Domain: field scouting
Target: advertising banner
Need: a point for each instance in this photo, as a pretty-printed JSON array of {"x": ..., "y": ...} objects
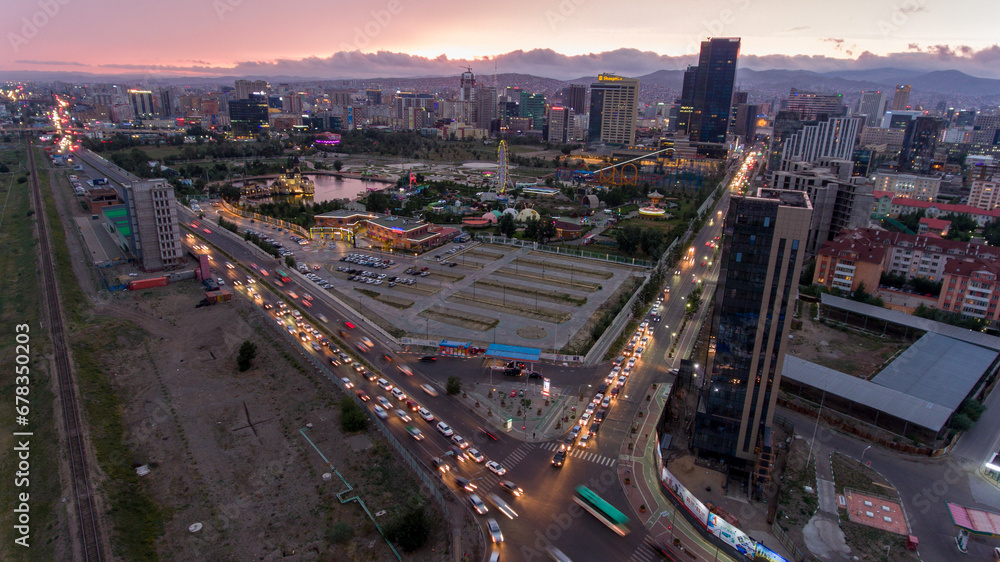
[
  {"x": 730, "y": 534},
  {"x": 764, "y": 554},
  {"x": 546, "y": 387},
  {"x": 693, "y": 504}
]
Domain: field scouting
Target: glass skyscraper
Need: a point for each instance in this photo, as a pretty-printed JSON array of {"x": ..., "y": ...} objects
[
  {"x": 711, "y": 89},
  {"x": 762, "y": 253}
]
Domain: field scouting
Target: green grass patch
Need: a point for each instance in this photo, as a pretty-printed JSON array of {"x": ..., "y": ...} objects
[
  {"x": 74, "y": 302},
  {"x": 137, "y": 519},
  {"x": 368, "y": 293},
  {"x": 849, "y": 473},
  {"x": 664, "y": 226},
  {"x": 795, "y": 505},
  {"x": 869, "y": 543},
  {"x": 22, "y": 305}
]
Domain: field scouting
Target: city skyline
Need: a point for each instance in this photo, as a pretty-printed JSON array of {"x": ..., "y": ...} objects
[{"x": 562, "y": 40}]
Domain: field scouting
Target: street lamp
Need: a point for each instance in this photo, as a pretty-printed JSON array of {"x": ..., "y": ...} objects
[{"x": 863, "y": 454}]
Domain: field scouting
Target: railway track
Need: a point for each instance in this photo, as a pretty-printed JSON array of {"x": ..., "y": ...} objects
[{"x": 90, "y": 532}]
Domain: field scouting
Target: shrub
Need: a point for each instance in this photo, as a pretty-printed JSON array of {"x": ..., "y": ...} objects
[
  {"x": 453, "y": 386},
  {"x": 352, "y": 417},
  {"x": 246, "y": 354}
]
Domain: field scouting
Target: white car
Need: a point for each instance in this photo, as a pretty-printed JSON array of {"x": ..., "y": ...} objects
[
  {"x": 384, "y": 402},
  {"x": 606, "y": 402},
  {"x": 426, "y": 414},
  {"x": 478, "y": 504},
  {"x": 230, "y": 266},
  {"x": 445, "y": 429},
  {"x": 380, "y": 412},
  {"x": 622, "y": 379},
  {"x": 591, "y": 407},
  {"x": 398, "y": 394},
  {"x": 495, "y": 534},
  {"x": 460, "y": 441},
  {"x": 582, "y": 443},
  {"x": 384, "y": 384},
  {"x": 347, "y": 382},
  {"x": 585, "y": 418},
  {"x": 403, "y": 415},
  {"x": 476, "y": 455},
  {"x": 495, "y": 468}
]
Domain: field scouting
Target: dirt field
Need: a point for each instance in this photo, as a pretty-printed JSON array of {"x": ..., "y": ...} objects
[
  {"x": 847, "y": 351},
  {"x": 224, "y": 447}
]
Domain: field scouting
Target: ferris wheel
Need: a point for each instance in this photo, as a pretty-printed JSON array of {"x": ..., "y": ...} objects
[{"x": 502, "y": 168}]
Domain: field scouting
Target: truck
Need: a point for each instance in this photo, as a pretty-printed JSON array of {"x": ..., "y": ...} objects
[{"x": 100, "y": 181}]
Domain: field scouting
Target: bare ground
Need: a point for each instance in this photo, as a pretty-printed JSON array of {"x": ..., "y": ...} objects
[{"x": 847, "y": 351}]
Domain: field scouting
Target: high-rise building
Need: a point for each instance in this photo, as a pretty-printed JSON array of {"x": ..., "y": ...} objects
[
  {"x": 467, "y": 86},
  {"x": 713, "y": 89},
  {"x": 919, "y": 144},
  {"x": 248, "y": 117},
  {"x": 901, "y": 101},
  {"x": 685, "y": 104},
  {"x": 762, "y": 254},
  {"x": 786, "y": 124},
  {"x": 373, "y": 96},
  {"x": 745, "y": 124},
  {"x": 830, "y": 138},
  {"x": 246, "y": 87},
  {"x": 872, "y": 106},
  {"x": 613, "y": 104},
  {"x": 142, "y": 104},
  {"x": 739, "y": 98},
  {"x": 166, "y": 103},
  {"x": 486, "y": 107},
  {"x": 533, "y": 107},
  {"x": 576, "y": 98},
  {"x": 812, "y": 106},
  {"x": 561, "y": 124}
]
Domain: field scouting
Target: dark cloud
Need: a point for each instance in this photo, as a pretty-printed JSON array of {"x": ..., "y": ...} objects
[{"x": 549, "y": 63}]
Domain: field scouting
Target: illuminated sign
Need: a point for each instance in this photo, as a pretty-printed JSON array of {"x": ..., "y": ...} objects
[
  {"x": 606, "y": 78},
  {"x": 546, "y": 387}
]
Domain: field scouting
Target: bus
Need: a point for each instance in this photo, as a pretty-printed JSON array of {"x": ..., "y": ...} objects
[
  {"x": 282, "y": 275},
  {"x": 602, "y": 510}
]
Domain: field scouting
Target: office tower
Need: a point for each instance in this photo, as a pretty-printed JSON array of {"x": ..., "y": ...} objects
[
  {"x": 248, "y": 117},
  {"x": 712, "y": 96},
  {"x": 486, "y": 107},
  {"x": 246, "y": 87},
  {"x": 762, "y": 254},
  {"x": 533, "y": 107},
  {"x": 613, "y": 103},
  {"x": 811, "y": 105},
  {"x": 685, "y": 104},
  {"x": 561, "y": 124},
  {"x": 166, "y": 103},
  {"x": 786, "y": 124},
  {"x": 142, "y": 104},
  {"x": 830, "y": 138},
  {"x": 965, "y": 118},
  {"x": 919, "y": 144},
  {"x": 576, "y": 98},
  {"x": 467, "y": 85},
  {"x": 739, "y": 98},
  {"x": 872, "y": 106},
  {"x": 745, "y": 123},
  {"x": 154, "y": 219},
  {"x": 373, "y": 96},
  {"x": 901, "y": 101},
  {"x": 294, "y": 103}
]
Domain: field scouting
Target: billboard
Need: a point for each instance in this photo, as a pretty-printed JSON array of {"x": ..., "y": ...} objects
[
  {"x": 731, "y": 535},
  {"x": 764, "y": 554},
  {"x": 546, "y": 387},
  {"x": 692, "y": 503}
]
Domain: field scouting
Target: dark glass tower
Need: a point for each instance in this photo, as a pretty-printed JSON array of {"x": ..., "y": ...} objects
[
  {"x": 713, "y": 89},
  {"x": 764, "y": 240}
]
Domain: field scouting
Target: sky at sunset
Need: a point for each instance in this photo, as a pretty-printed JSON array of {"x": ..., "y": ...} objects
[{"x": 555, "y": 38}]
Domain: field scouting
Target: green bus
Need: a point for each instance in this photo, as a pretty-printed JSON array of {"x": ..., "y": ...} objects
[
  {"x": 602, "y": 510},
  {"x": 282, "y": 275}
]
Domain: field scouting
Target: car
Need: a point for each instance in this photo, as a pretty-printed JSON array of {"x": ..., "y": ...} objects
[
  {"x": 590, "y": 408},
  {"x": 350, "y": 325},
  {"x": 230, "y": 266},
  {"x": 380, "y": 412},
  {"x": 362, "y": 395},
  {"x": 293, "y": 294},
  {"x": 425, "y": 414},
  {"x": 347, "y": 382},
  {"x": 496, "y": 468},
  {"x": 254, "y": 266},
  {"x": 512, "y": 488},
  {"x": 250, "y": 281},
  {"x": 585, "y": 418},
  {"x": 306, "y": 303},
  {"x": 598, "y": 397},
  {"x": 568, "y": 442},
  {"x": 384, "y": 402},
  {"x": 459, "y": 454},
  {"x": 429, "y": 389},
  {"x": 263, "y": 272},
  {"x": 412, "y": 406},
  {"x": 441, "y": 465},
  {"x": 415, "y": 433},
  {"x": 495, "y": 534},
  {"x": 460, "y": 441},
  {"x": 384, "y": 384},
  {"x": 398, "y": 394},
  {"x": 534, "y": 375},
  {"x": 582, "y": 443},
  {"x": 606, "y": 402},
  {"x": 406, "y": 370},
  {"x": 307, "y": 296},
  {"x": 403, "y": 415},
  {"x": 559, "y": 458},
  {"x": 445, "y": 429},
  {"x": 476, "y": 455},
  {"x": 478, "y": 504},
  {"x": 359, "y": 368},
  {"x": 237, "y": 283},
  {"x": 513, "y": 394},
  {"x": 489, "y": 433}
]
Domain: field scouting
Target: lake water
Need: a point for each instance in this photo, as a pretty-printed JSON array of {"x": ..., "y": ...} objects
[{"x": 332, "y": 187}]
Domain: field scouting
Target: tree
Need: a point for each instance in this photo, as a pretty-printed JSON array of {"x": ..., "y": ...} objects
[
  {"x": 546, "y": 229},
  {"x": 806, "y": 277},
  {"x": 531, "y": 229},
  {"x": 410, "y": 528},
  {"x": 377, "y": 202},
  {"x": 246, "y": 354},
  {"x": 337, "y": 165},
  {"x": 651, "y": 242},
  {"x": 290, "y": 261},
  {"x": 925, "y": 286},
  {"x": 453, "y": 386},
  {"x": 507, "y": 225},
  {"x": 352, "y": 417},
  {"x": 628, "y": 238}
]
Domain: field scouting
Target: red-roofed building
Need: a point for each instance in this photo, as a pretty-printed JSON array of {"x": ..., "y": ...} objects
[
  {"x": 971, "y": 288},
  {"x": 903, "y": 206},
  {"x": 845, "y": 264},
  {"x": 935, "y": 227}
]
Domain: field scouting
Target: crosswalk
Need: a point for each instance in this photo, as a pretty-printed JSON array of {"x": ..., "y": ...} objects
[
  {"x": 644, "y": 552},
  {"x": 583, "y": 455},
  {"x": 517, "y": 455}
]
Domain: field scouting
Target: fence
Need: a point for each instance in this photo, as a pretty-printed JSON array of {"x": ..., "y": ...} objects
[
  {"x": 787, "y": 542},
  {"x": 562, "y": 250}
]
